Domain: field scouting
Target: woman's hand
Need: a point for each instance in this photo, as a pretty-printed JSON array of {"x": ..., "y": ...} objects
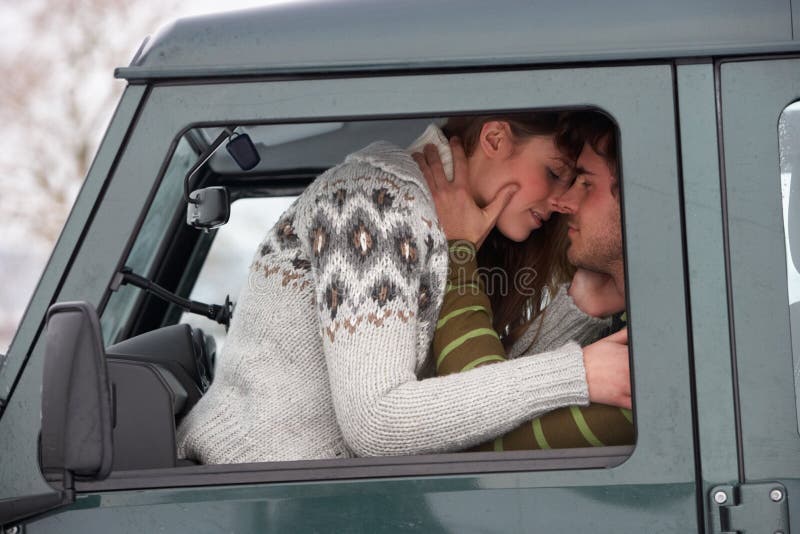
[
  {"x": 459, "y": 215},
  {"x": 596, "y": 294},
  {"x": 608, "y": 370}
]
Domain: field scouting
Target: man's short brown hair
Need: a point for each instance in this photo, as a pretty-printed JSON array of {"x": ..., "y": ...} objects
[{"x": 594, "y": 128}]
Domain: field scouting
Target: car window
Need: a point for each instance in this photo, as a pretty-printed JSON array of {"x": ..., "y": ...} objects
[
  {"x": 216, "y": 267},
  {"x": 225, "y": 267},
  {"x": 144, "y": 253},
  {"x": 789, "y": 139}
]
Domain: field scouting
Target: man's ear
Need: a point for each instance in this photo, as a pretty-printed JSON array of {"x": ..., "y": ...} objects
[{"x": 496, "y": 140}]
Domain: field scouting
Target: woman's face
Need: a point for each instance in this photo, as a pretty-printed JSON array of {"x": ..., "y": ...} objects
[{"x": 540, "y": 171}]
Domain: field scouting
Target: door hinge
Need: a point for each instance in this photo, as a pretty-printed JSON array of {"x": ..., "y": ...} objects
[{"x": 749, "y": 509}]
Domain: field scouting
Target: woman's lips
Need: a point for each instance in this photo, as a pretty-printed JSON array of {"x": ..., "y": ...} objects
[{"x": 537, "y": 218}]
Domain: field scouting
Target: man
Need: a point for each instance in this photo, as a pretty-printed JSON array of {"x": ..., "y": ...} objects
[
  {"x": 593, "y": 215},
  {"x": 592, "y": 210},
  {"x": 592, "y": 207}
]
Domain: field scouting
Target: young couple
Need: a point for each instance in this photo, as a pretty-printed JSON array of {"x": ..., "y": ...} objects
[{"x": 329, "y": 354}]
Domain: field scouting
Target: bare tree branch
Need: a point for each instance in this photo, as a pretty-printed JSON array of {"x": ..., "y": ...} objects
[{"x": 58, "y": 94}]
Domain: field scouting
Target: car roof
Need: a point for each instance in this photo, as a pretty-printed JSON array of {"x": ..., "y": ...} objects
[{"x": 307, "y": 36}]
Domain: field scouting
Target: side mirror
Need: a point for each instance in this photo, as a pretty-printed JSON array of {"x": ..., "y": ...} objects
[
  {"x": 208, "y": 208},
  {"x": 77, "y": 421}
]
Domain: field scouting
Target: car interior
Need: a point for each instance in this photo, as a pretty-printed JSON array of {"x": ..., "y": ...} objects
[{"x": 158, "y": 365}]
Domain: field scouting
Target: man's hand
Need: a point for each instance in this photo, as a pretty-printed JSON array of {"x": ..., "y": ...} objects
[
  {"x": 608, "y": 370},
  {"x": 459, "y": 215},
  {"x": 596, "y": 294}
]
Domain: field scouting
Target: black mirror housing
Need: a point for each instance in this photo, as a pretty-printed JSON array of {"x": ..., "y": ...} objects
[
  {"x": 77, "y": 420},
  {"x": 208, "y": 208},
  {"x": 243, "y": 151}
]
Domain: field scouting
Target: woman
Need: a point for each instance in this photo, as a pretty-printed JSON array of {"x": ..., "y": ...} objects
[{"x": 330, "y": 340}]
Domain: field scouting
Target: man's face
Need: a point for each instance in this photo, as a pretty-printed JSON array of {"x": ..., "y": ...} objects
[{"x": 593, "y": 215}]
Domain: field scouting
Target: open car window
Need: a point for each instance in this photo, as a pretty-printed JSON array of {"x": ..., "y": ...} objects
[
  {"x": 144, "y": 255},
  {"x": 212, "y": 266},
  {"x": 224, "y": 270}
]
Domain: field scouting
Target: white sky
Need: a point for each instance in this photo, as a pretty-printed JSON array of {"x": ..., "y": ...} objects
[{"x": 23, "y": 257}]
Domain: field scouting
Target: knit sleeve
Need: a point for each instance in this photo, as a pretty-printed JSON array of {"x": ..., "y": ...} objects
[
  {"x": 369, "y": 243},
  {"x": 562, "y": 321}
]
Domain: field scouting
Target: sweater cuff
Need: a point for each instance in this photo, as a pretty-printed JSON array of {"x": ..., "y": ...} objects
[{"x": 556, "y": 378}]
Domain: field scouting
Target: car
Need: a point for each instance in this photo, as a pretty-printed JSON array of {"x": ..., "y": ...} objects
[{"x": 111, "y": 351}]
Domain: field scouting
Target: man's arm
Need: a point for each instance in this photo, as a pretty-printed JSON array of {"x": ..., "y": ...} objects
[{"x": 465, "y": 339}]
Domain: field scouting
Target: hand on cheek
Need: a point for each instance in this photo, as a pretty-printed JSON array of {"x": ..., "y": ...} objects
[{"x": 460, "y": 215}]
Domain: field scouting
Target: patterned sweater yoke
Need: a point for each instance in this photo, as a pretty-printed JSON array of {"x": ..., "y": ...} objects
[{"x": 329, "y": 345}]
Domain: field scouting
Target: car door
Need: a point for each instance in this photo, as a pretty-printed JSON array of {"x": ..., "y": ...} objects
[
  {"x": 650, "y": 487},
  {"x": 760, "y": 177}
]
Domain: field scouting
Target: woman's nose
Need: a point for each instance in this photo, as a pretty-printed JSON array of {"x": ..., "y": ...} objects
[{"x": 564, "y": 203}]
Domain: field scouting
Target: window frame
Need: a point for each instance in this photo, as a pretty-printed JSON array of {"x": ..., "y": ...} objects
[{"x": 651, "y": 196}]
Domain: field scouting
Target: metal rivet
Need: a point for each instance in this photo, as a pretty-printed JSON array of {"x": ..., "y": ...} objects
[
  {"x": 720, "y": 497},
  {"x": 776, "y": 495}
]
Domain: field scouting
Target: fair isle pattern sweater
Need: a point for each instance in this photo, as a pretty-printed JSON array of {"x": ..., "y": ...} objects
[{"x": 327, "y": 353}]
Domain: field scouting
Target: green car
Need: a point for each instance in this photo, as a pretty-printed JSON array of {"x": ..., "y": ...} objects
[{"x": 119, "y": 339}]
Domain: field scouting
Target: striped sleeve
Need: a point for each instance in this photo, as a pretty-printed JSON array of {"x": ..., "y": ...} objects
[{"x": 464, "y": 339}]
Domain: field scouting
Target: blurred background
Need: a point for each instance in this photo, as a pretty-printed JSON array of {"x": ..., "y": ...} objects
[{"x": 57, "y": 60}]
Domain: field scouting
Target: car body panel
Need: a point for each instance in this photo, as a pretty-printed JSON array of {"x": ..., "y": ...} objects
[
  {"x": 495, "y": 503},
  {"x": 754, "y": 94},
  {"x": 295, "y": 37}
]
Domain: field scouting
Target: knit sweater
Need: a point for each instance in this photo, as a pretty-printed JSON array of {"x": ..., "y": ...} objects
[{"x": 329, "y": 345}]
